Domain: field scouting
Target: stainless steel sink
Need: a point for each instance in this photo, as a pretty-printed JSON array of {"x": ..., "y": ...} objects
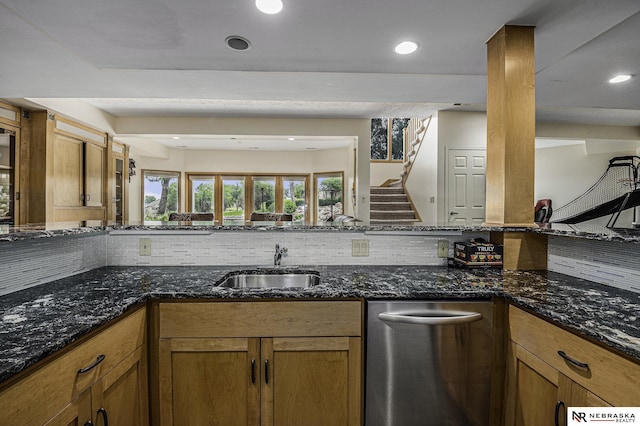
[{"x": 271, "y": 278}]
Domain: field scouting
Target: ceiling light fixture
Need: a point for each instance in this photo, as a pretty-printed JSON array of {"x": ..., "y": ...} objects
[
  {"x": 270, "y": 7},
  {"x": 291, "y": 139},
  {"x": 176, "y": 137},
  {"x": 406, "y": 47},
  {"x": 621, "y": 78}
]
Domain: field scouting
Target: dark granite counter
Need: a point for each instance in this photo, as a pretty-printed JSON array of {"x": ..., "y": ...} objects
[
  {"x": 41, "y": 320},
  {"x": 590, "y": 232}
]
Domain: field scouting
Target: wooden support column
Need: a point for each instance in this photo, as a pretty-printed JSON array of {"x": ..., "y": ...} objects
[{"x": 510, "y": 169}]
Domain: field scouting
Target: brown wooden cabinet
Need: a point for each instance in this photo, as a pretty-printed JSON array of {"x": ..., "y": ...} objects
[
  {"x": 541, "y": 381},
  {"x": 58, "y": 392},
  {"x": 118, "y": 159},
  {"x": 67, "y": 165},
  {"x": 11, "y": 178},
  {"x": 260, "y": 363}
]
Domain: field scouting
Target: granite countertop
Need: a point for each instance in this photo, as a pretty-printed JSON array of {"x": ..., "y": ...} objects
[
  {"x": 583, "y": 231},
  {"x": 41, "y": 320}
]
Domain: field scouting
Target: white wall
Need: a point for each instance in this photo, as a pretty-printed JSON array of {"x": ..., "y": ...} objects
[
  {"x": 422, "y": 182},
  {"x": 381, "y": 172}
]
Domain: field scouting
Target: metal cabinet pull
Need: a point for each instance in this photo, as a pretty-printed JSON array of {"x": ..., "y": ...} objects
[
  {"x": 572, "y": 361},
  {"x": 103, "y": 413},
  {"x": 431, "y": 317},
  {"x": 89, "y": 423},
  {"x": 266, "y": 371},
  {"x": 559, "y": 405},
  {"x": 253, "y": 371},
  {"x": 92, "y": 366}
]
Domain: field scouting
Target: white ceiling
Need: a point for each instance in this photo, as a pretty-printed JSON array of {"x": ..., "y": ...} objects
[{"x": 330, "y": 58}]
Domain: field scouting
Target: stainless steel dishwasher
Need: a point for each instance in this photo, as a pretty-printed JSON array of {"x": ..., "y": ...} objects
[{"x": 428, "y": 363}]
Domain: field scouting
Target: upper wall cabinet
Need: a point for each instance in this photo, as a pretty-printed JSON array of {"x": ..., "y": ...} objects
[
  {"x": 67, "y": 171},
  {"x": 118, "y": 161},
  {"x": 10, "y": 182}
]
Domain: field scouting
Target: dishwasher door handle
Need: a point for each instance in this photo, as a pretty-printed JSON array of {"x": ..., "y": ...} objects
[{"x": 431, "y": 317}]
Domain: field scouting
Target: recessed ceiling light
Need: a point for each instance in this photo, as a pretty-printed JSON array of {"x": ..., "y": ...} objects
[
  {"x": 291, "y": 139},
  {"x": 269, "y": 7},
  {"x": 406, "y": 47},
  {"x": 620, "y": 78},
  {"x": 176, "y": 137},
  {"x": 237, "y": 43}
]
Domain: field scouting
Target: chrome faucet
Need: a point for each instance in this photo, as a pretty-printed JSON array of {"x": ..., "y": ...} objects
[{"x": 280, "y": 253}]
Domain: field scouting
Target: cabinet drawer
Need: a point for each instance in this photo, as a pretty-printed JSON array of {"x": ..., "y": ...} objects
[
  {"x": 41, "y": 394},
  {"x": 611, "y": 377},
  {"x": 257, "y": 319}
]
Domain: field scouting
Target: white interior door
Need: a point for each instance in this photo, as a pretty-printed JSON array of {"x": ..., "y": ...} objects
[{"x": 466, "y": 186}]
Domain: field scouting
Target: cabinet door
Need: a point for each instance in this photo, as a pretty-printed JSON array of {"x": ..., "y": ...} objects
[
  {"x": 77, "y": 413},
  {"x": 122, "y": 392},
  {"x": 311, "y": 381},
  {"x": 210, "y": 381},
  {"x": 67, "y": 172},
  {"x": 94, "y": 172}
]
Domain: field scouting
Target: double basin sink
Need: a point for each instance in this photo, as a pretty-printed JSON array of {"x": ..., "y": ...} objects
[{"x": 270, "y": 278}]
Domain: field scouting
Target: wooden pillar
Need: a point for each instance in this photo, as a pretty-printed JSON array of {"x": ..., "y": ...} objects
[
  {"x": 510, "y": 169},
  {"x": 510, "y": 127}
]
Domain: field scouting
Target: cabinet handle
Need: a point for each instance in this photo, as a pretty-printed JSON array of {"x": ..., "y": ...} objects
[
  {"x": 103, "y": 413},
  {"x": 88, "y": 197},
  {"x": 253, "y": 371},
  {"x": 92, "y": 366},
  {"x": 575, "y": 362},
  {"x": 557, "y": 415},
  {"x": 266, "y": 371},
  {"x": 89, "y": 423}
]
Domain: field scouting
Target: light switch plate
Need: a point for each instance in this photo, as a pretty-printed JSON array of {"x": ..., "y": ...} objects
[
  {"x": 359, "y": 248},
  {"x": 443, "y": 248},
  {"x": 145, "y": 246}
]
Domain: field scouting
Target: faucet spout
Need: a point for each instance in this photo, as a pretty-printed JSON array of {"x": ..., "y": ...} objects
[{"x": 280, "y": 253}]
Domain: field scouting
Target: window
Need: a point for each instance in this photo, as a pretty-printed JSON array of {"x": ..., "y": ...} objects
[
  {"x": 201, "y": 189},
  {"x": 294, "y": 197},
  {"x": 264, "y": 194},
  {"x": 161, "y": 191},
  {"x": 328, "y": 196},
  {"x": 387, "y": 142},
  {"x": 233, "y": 202}
]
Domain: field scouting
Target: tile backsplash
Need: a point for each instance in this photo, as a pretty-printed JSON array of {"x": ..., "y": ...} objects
[
  {"x": 606, "y": 262},
  {"x": 32, "y": 262},
  {"x": 257, "y": 248}
]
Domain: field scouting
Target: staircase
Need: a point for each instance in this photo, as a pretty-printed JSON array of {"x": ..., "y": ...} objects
[{"x": 390, "y": 205}]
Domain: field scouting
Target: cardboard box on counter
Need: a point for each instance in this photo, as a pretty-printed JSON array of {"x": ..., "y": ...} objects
[{"x": 478, "y": 253}]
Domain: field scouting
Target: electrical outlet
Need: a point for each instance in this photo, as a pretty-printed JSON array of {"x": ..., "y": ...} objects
[
  {"x": 360, "y": 248},
  {"x": 443, "y": 248},
  {"x": 145, "y": 246}
]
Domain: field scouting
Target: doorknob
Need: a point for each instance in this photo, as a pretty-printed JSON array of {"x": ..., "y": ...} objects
[{"x": 451, "y": 213}]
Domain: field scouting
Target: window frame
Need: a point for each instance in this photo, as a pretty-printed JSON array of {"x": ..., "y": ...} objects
[
  {"x": 316, "y": 204},
  {"x": 218, "y": 190},
  {"x": 389, "y": 158},
  {"x": 144, "y": 173}
]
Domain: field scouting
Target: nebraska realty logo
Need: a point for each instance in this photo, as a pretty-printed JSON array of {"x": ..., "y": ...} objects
[{"x": 602, "y": 415}]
